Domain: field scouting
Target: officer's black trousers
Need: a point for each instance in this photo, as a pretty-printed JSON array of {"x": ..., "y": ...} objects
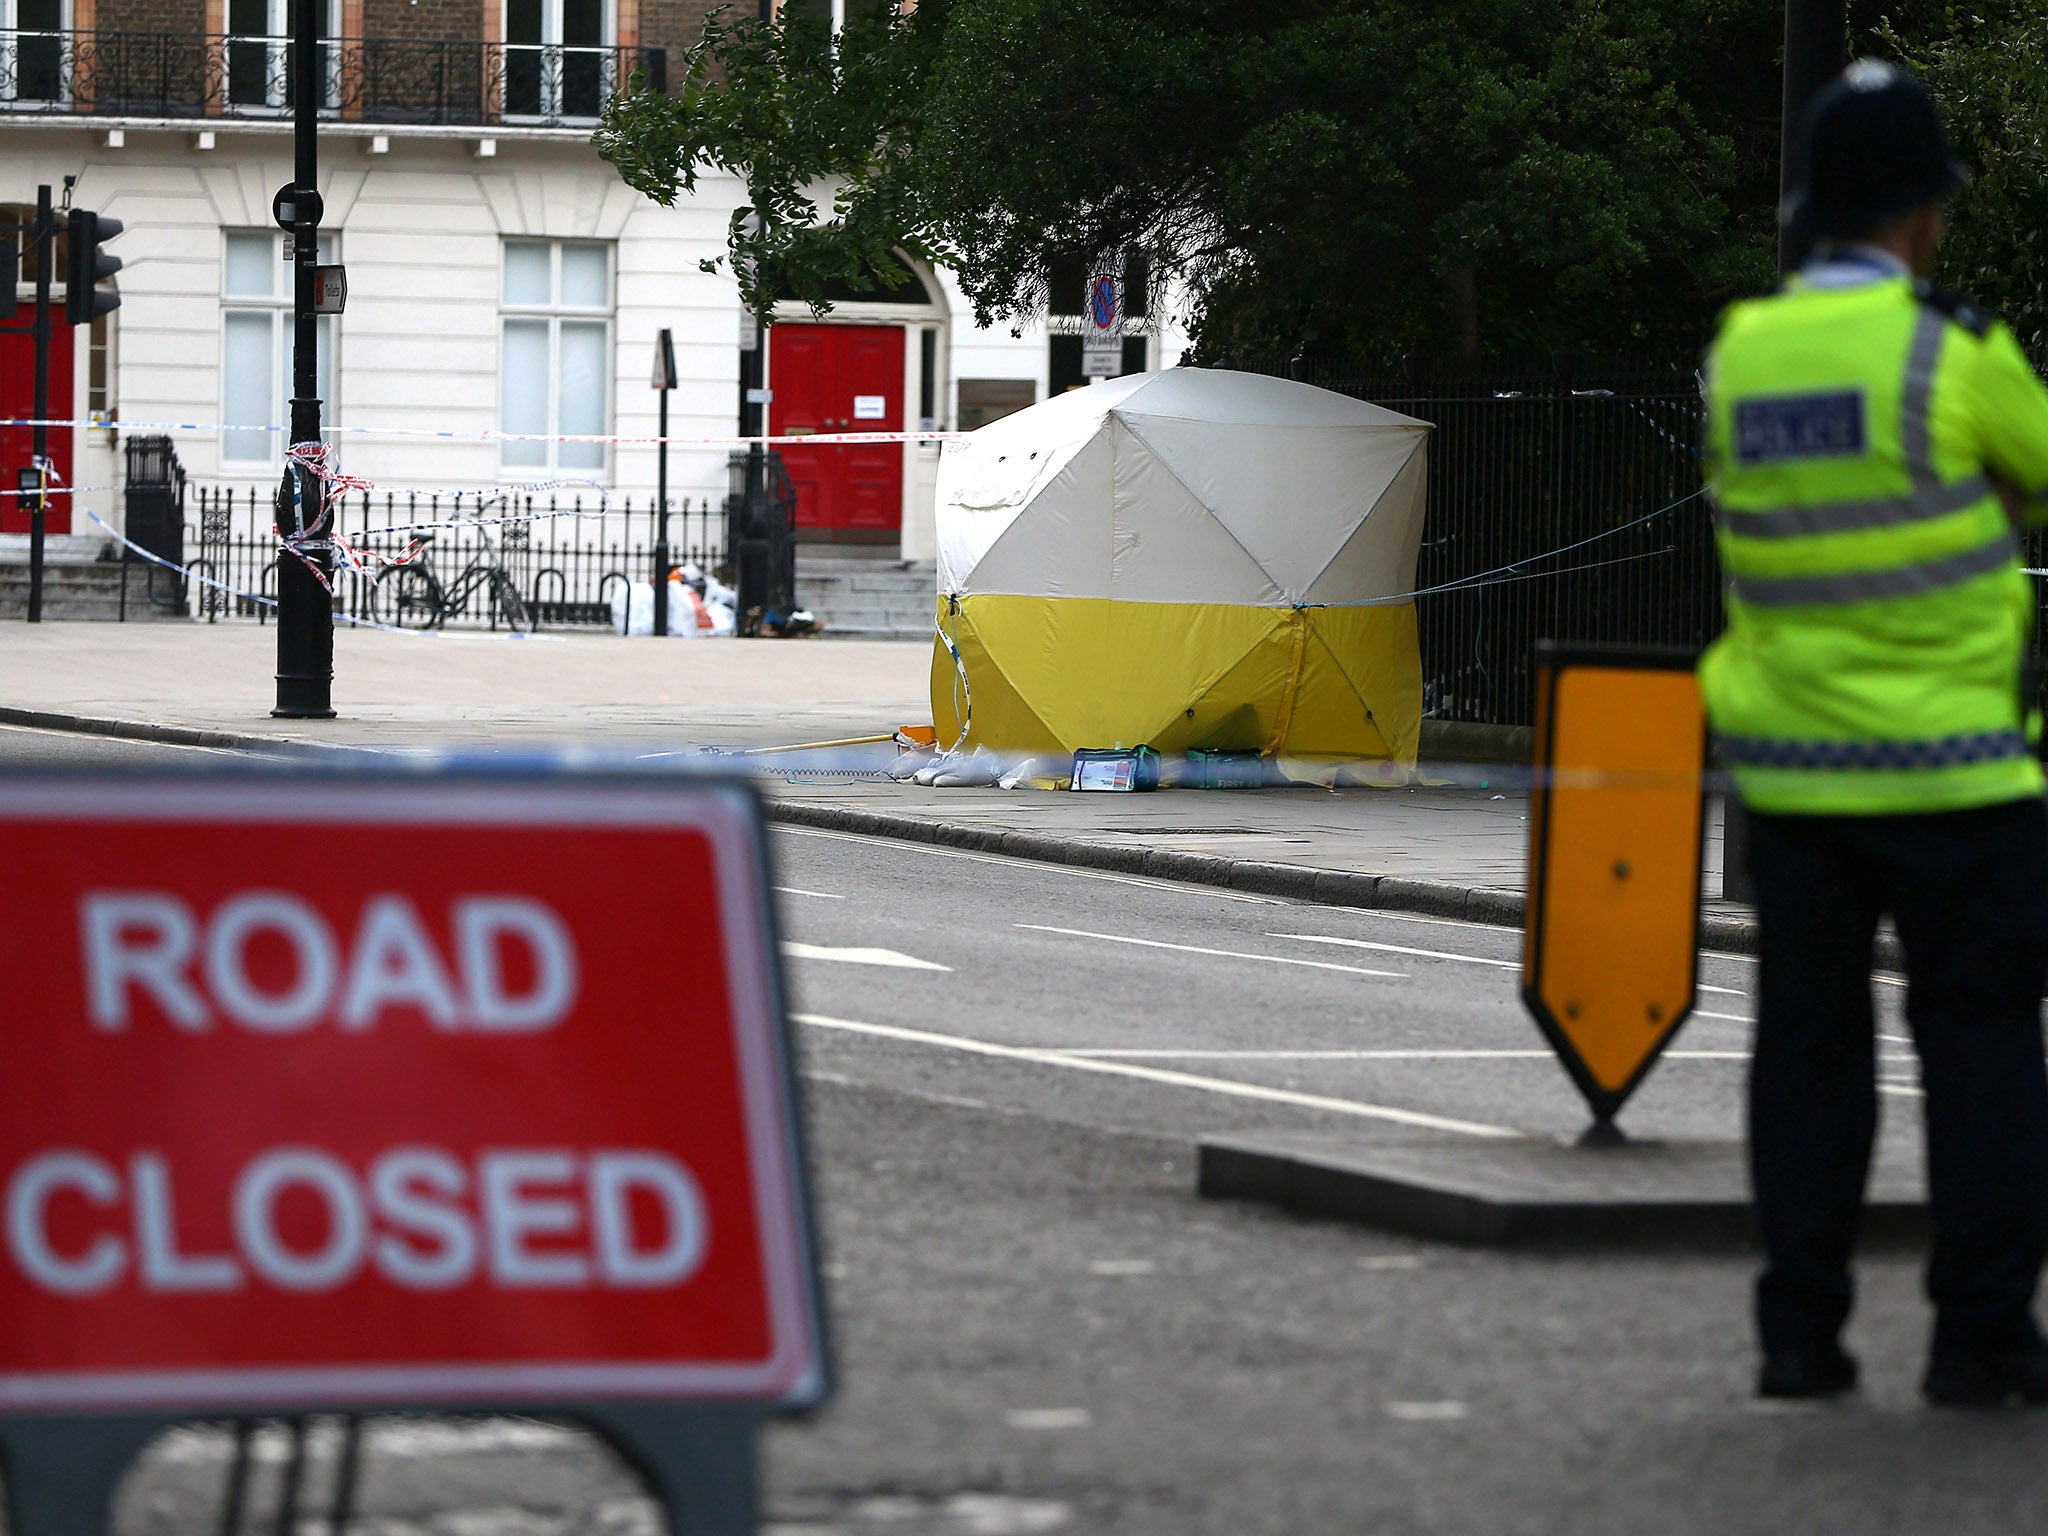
[{"x": 1968, "y": 892}]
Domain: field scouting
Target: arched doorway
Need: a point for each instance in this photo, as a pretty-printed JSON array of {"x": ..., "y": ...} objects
[{"x": 870, "y": 365}]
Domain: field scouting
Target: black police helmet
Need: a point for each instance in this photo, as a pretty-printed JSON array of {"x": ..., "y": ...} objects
[{"x": 1873, "y": 149}]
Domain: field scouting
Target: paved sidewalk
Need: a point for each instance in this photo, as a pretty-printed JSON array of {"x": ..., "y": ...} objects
[
  {"x": 474, "y": 687},
  {"x": 1449, "y": 850}
]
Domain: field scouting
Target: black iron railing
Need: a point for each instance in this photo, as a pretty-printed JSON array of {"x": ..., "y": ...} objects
[
  {"x": 368, "y": 79},
  {"x": 563, "y": 559},
  {"x": 1546, "y": 520}
]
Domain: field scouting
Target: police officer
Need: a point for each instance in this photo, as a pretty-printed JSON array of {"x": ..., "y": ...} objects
[{"x": 1871, "y": 443}]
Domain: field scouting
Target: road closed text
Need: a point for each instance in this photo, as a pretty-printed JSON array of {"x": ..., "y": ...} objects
[
  {"x": 272, "y": 963},
  {"x": 304, "y": 1221},
  {"x": 299, "y": 1218}
]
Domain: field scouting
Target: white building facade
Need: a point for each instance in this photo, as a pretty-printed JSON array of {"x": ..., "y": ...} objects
[{"x": 500, "y": 277}]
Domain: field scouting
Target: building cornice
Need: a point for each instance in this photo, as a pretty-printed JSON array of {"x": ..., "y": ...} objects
[{"x": 281, "y": 128}]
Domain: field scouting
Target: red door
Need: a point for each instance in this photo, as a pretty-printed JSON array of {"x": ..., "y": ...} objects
[
  {"x": 840, "y": 378},
  {"x": 17, "y": 402}
]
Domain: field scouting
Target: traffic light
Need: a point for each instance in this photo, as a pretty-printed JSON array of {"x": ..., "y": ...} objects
[{"x": 84, "y": 300}]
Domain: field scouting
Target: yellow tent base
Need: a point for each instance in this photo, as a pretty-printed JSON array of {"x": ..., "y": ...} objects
[{"x": 1055, "y": 675}]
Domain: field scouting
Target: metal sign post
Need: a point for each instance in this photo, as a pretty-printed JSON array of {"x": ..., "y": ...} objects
[
  {"x": 361, "y": 1141},
  {"x": 305, "y": 606},
  {"x": 664, "y": 380},
  {"x": 1610, "y": 954},
  {"x": 46, "y": 252}
]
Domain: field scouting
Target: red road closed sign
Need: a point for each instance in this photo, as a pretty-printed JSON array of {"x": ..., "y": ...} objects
[{"x": 333, "y": 1092}]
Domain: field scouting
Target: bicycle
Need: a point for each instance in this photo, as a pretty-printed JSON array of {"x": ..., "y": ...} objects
[{"x": 419, "y": 600}]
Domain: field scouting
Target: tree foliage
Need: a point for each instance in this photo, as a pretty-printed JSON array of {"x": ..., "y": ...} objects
[
  {"x": 824, "y": 132},
  {"x": 1988, "y": 66},
  {"x": 1325, "y": 175}
]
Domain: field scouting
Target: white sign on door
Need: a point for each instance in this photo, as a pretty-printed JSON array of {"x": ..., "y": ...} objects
[
  {"x": 870, "y": 407},
  {"x": 1102, "y": 359}
]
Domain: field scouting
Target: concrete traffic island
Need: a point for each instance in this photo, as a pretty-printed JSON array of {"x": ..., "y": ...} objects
[{"x": 1532, "y": 1192}]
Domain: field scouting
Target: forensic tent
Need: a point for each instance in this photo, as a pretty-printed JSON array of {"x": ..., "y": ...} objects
[{"x": 1188, "y": 559}]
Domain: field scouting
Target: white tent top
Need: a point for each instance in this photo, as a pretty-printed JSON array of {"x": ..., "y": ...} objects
[{"x": 1192, "y": 485}]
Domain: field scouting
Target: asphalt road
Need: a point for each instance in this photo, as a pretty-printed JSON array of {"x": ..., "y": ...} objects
[{"x": 1042, "y": 1328}]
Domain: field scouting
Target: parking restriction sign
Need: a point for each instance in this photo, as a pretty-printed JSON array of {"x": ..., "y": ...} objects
[{"x": 1102, "y": 342}]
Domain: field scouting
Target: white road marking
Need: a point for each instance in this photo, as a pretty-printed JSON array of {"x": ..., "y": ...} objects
[
  {"x": 1396, "y": 949},
  {"x": 1042, "y": 1056},
  {"x": 791, "y": 890},
  {"x": 1121, "y": 1267},
  {"x": 1196, "y": 949},
  {"x": 1013, "y": 861},
  {"x": 1443, "y": 954},
  {"x": 1190, "y": 888},
  {"x": 1725, "y": 1018},
  {"x": 1049, "y": 1418},
  {"x": 1901, "y": 1090},
  {"x": 956, "y": 1101},
  {"x": 1439, "y": 922},
  {"x": 1121, "y": 1053},
  {"x": 1427, "y": 1413},
  {"x": 859, "y": 956},
  {"x": 191, "y": 1444}
]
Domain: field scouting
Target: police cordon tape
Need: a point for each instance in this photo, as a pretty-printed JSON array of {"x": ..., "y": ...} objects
[
  {"x": 1499, "y": 576},
  {"x": 309, "y": 458},
  {"x": 306, "y": 454},
  {"x": 493, "y": 435},
  {"x": 353, "y": 620}
]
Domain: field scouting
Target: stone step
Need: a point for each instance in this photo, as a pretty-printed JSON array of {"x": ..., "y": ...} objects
[
  {"x": 878, "y": 632},
  {"x": 58, "y": 549},
  {"x": 879, "y": 613},
  {"x": 869, "y": 597},
  {"x": 893, "y": 613},
  {"x": 806, "y": 566},
  {"x": 95, "y": 610},
  {"x": 911, "y": 587},
  {"x": 877, "y": 581},
  {"x": 808, "y": 552},
  {"x": 90, "y": 591}
]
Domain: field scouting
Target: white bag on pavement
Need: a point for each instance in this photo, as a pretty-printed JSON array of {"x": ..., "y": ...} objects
[{"x": 689, "y": 616}]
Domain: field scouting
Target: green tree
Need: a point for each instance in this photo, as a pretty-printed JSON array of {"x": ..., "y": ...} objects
[
  {"x": 823, "y": 131},
  {"x": 1336, "y": 175},
  {"x": 1988, "y": 67}
]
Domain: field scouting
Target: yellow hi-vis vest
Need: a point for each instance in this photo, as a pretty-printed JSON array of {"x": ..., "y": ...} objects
[{"x": 1877, "y": 613}]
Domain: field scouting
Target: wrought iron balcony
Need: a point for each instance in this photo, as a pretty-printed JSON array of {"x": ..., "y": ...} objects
[{"x": 368, "y": 79}]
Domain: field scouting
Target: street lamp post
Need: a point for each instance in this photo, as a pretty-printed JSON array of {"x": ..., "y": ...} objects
[
  {"x": 750, "y": 560},
  {"x": 305, "y": 614},
  {"x": 664, "y": 380},
  {"x": 1816, "y": 50}
]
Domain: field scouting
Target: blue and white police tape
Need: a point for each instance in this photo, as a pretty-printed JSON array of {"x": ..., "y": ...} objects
[{"x": 494, "y": 435}]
